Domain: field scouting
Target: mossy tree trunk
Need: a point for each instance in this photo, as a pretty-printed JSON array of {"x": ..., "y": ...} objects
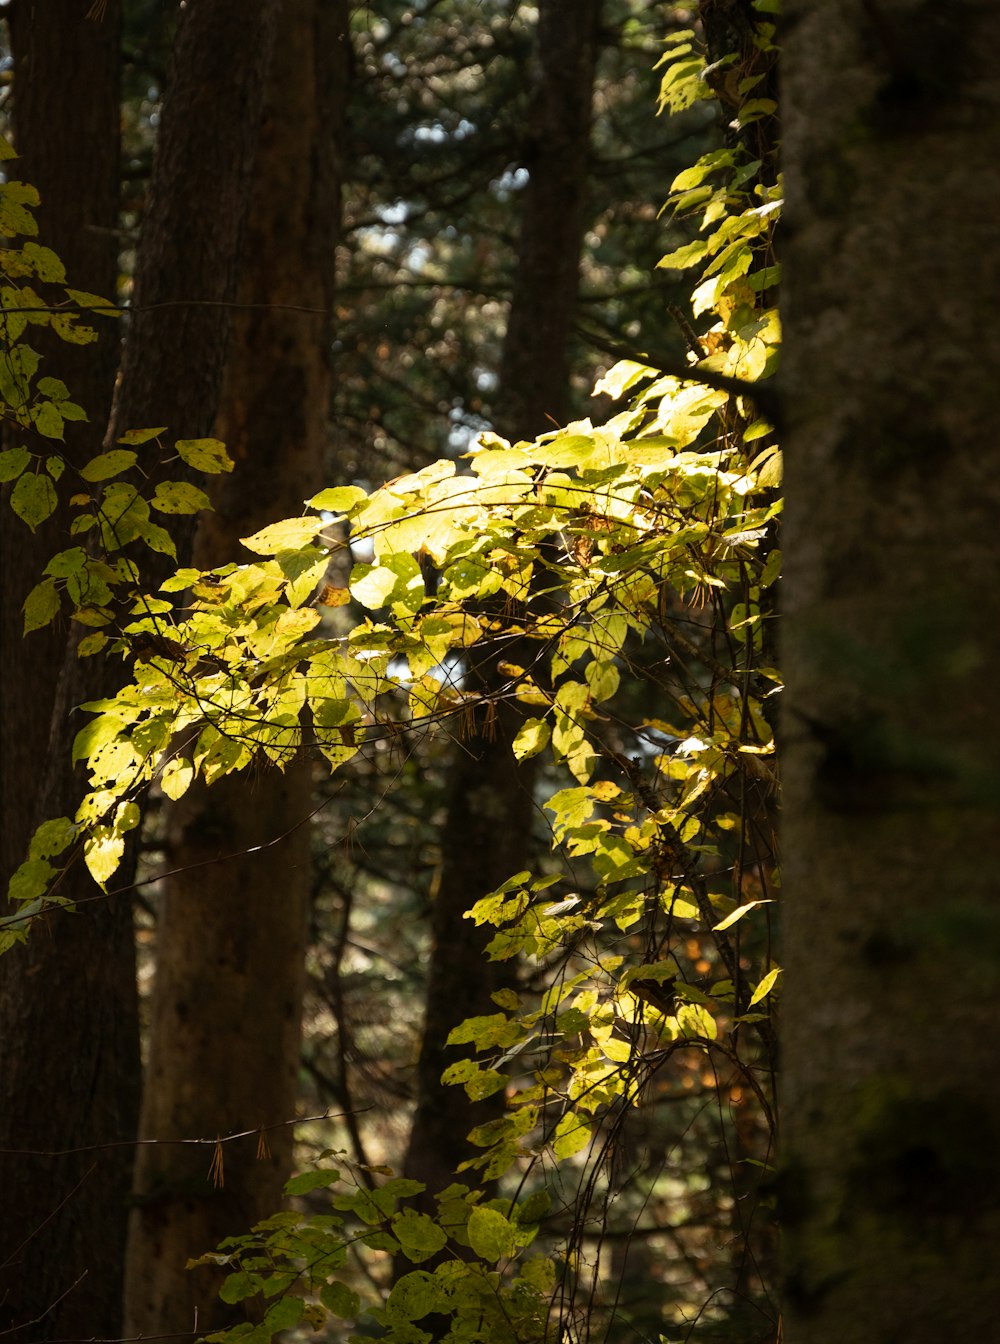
[{"x": 892, "y": 641}]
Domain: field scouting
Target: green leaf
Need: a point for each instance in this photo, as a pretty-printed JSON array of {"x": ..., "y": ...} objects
[
  {"x": 413, "y": 1296},
  {"x": 340, "y": 1299},
  {"x": 137, "y": 436},
  {"x": 103, "y": 852},
  {"x": 288, "y": 535},
  {"x": 95, "y": 734},
  {"x": 237, "y": 1287},
  {"x": 67, "y": 562},
  {"x": 419, "y": 1236},
  {"x": 177, "y": 777},
  {"x": 46, "y": 419},
  {"x": 157, "y": 539},
  {"x": 44, "y": 263},
  {"x": 52, "y": 837},
  {"x": 179, "y": 497},
  {"x": 685, "y": 256},
  {"x": 307, "y": 1181},
  {"x": 536, "y": 1207},
  {"x": 15, "y": 218},
  {"x": 491, "y": 1235},
  {"x": 284, "y": 1314},
  {"x": 12, "y": 462},
  {"x": 572, "y": 1134},
  {"x": 95, "y": 616},
  {"x": 41, "y": 605},
  {"x": 396, "y": 581},
  {"x": 95, "y": 303},
  {"x": 30, "y": 880},
  {"x": 91, "y": 644},
  {"x": 105, "y": 465},
  {"x": 33, "y": 498},
  {"x": 603, "y": 679},
  {"x": 338, "y": 499},
  {"x": 478, "y": 1082},
  {"x": 208, "y": 455},
  {"x": 737, "y": 914},
  {"x": 540, "y": 1272},
  {"x": 696, "y": 1022},
  {"x": 532, "y": 737}
]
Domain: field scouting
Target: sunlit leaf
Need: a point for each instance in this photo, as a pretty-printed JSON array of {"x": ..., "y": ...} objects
[
  {"x": 765, "y": 986},
  {"x": 208, "y": 455}
]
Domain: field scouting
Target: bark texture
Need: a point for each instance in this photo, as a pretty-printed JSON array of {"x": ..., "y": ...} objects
[
  {"x": 224, "y": 1040},
  {"x": 892, "y": 739},
  {"x": 70, "y": 1046},
  {"x": 187, "y": 264},
  {"x": 66, "y": 115},
  {"x": 487, "y": 832},
  {"x": 69, "y": 1050}
]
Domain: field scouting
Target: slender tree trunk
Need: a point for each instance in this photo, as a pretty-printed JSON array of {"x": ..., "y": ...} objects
[
  {"x": 69, "y": 1053},
  {"x": 892, "y": 737},
  {"x": 224, "y": 1042},
  {"x": 487, "y": 833}
]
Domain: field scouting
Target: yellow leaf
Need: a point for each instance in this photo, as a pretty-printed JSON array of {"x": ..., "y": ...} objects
[{"x": 765, "y": 986}]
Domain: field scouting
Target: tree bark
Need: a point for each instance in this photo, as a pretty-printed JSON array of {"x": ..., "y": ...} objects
[
  {"x": 224, "y": 1039},
  {"x": 186, "y": 271},
  {"x": 66, "y": 114},
  {"x": 487, "y": 832},
  {"x": 70, "y": 1061},
  {"x": 69, "y": 1049},
  {"x": 892, "y": 739}
]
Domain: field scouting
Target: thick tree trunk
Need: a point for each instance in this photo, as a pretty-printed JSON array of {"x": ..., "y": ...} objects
[
  {"x": 487, "y": 834},
  {"x": 70, "y": 1062},
  {"x": 892, "y": 737},
  {"x": 66, "y": 115},
  {"x": 224, "y": 1041},
  {"x": 69, "y": 1051},
  {"x": 187, "y": 266}
]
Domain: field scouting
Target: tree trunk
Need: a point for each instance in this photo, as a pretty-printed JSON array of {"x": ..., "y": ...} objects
[
  {"x": 487, "y": 833},
  {"x": 66, "y": 114},
  {"x": 224, "y": 1041},
  {"x": 892, "y": 739},
  {"x": 186, "y": 270},
  {"x": 69, "y": 1051}
]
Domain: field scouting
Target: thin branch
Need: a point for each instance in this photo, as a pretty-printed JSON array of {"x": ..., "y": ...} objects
[{"x": 136, "y": 1143}]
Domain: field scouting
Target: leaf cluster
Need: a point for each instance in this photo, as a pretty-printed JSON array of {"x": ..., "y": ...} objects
[{"x": 596, "y": 555}]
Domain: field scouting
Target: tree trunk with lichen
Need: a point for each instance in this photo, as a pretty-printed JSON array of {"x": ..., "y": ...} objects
[{"x": 891, "y": 734}]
